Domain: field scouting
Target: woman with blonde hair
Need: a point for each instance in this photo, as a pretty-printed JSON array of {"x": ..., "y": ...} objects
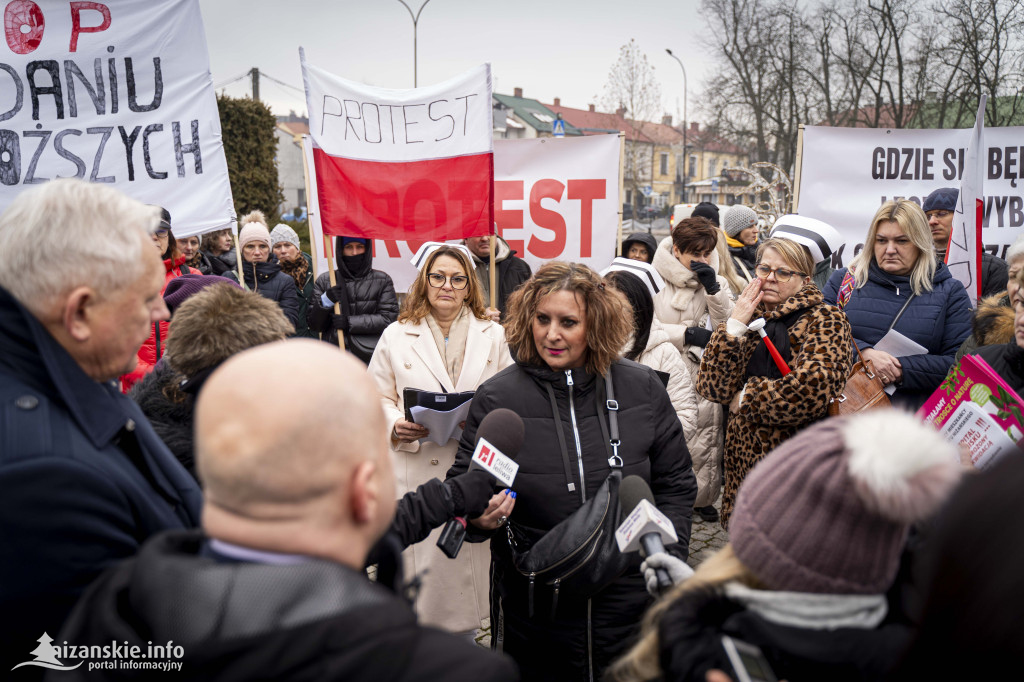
[
  {"x": 815, "y": 544},
  {"x": 895, "y": 283},
  {"x": 442, "y": 342},
  {"x": 566, "y": 329},
  {"x": 767, "y": 405}
]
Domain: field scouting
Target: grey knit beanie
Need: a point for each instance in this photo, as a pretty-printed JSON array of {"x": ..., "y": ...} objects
[
  {"x": 828, "y": 510},
  {"x": 284, "y": 233},
  {"x": 737, "y": 219}
]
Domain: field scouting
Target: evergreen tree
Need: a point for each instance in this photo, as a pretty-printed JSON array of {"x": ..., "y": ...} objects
[{"x": 248, "y": 128}]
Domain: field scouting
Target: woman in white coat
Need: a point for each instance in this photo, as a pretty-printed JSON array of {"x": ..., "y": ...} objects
[
  {"x": 695, "y": 300},
  {"x": 650, "y": 346},
  {"x": 442, "y": 342}
]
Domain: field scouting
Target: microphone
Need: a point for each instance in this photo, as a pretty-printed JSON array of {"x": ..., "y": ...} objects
[
  {"x": 498, "y": 439},
  {"x": 645, "y": 529}
]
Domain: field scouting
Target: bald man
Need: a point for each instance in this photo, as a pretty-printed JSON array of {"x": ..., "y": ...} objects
[{"x": 291, "y": 448}]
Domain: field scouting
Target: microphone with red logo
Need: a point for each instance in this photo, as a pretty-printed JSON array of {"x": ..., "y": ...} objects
[{"x": 498, "y": 440}]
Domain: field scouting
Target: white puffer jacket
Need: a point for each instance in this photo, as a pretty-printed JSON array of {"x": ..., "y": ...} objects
[
  {"x": 684, "y": 303},
  {"x": 662, "y": 356}
]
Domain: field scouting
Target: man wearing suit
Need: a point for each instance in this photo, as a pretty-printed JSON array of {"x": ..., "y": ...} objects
[{"x": 84, "y": 478}]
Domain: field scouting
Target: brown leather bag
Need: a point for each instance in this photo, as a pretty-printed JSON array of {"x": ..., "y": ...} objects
[{"x": 863, "y": 390}]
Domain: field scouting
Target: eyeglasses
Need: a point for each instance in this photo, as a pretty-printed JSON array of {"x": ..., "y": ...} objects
[
  {"x": 782, "y": 275},
  {"x": 937, "y": 213},
  {"x": 437, "y": 280},
  {"x": 161, "y": 232}
]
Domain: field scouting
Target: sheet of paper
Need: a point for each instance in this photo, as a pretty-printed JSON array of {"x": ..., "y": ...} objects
[
  {"x": 898, "y": 346},
  {"x": 443, "y": 426}
]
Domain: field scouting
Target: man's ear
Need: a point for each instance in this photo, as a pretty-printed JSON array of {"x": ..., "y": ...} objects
[
  {"x": 77, "y": 313},
  {"x": 364, "y": 493}
]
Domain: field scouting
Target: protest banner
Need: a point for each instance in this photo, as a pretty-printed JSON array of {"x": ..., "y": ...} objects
[
  {"x": 555, "y": 199},
  {"x": 402, "y": 164},
  {"x": 117, "y": 92},
  {"x": 847, "y": 173}
]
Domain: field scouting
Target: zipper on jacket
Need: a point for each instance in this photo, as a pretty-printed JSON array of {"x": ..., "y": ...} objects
[{"x": 576, "y": 435}]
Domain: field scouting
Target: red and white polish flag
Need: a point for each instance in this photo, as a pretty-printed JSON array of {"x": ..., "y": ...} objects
[
  {"x": 402, "y": 164},
  {"x": 963, "y": 255}
]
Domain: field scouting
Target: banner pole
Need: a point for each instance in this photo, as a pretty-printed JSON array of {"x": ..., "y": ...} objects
[
  {"x": 334, "y": 283},
  {"x": 238, "y": 256},
  {"x": 622, "y": 188},
  {"x": 309, "y": 218},
  {"x": 494, "y": 271},
  {"x": 794, "y": 200}
]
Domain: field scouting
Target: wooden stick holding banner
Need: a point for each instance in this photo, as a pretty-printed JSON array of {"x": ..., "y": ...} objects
[
  {"x": 794, "y": 201},
  {"x": 238, "y": 256},
  {"x": 622, "y": 187},
  {"x": 334, "y": 282},
  {"x": 493, "y": 268}
]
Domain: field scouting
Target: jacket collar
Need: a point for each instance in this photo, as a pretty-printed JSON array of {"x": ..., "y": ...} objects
[
  {"x": 98, "y": 408},
  {"x": 474, "y": 361}
]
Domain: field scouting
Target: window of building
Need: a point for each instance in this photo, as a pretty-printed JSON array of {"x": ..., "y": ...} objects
[
  {"x": 711, "y": 167},
  {"x": 693, "y": 166},
  {"x": 664, "y": 163}
]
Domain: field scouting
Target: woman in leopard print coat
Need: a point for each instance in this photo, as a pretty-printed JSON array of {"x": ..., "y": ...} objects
[{"x": 765, "y": 407}]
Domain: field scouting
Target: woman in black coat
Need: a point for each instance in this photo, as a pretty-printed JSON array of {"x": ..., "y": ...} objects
[
  {"x": 565, "y": 330},
  {"x": 366, "y": 298},
  {"x": 260, "y": 270}
]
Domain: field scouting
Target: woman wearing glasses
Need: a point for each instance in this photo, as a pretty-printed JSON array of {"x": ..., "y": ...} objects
[
  {"x": 766, "y": 404},
  {"x": 442, "y": 342}
]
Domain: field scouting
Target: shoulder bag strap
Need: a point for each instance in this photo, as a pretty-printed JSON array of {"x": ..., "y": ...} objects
[
  {"x": 895, "y": 319},
  {"x": 612, "y": 405}
]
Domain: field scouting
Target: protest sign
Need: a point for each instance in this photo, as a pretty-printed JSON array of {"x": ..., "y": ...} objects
[
  {"x": 847, "y": 173},
  {"x": 117, "y": 92},
  {"x": 402, "y": 164},
  {"x": 555, "y": 199}
]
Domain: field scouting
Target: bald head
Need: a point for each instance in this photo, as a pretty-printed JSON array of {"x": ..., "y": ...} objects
[{"x": 288, "y": 436}]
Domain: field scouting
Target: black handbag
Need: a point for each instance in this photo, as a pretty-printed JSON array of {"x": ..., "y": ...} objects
[{"x": 580, "y": 554}]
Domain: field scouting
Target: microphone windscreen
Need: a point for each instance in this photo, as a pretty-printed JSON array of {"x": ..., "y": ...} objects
[
  {"x": 503, "y": 429},
  {"x": 631, "y": 491}
]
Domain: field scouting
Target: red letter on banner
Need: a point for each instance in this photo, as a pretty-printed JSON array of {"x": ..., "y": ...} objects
[
  {"x": 586, "y": 191},
  {"x": 509, "y": 218},
  {"x": 76, "y": 21},
  {"x": 23, "y": 14},
  {"x": 545, "y": 217}
]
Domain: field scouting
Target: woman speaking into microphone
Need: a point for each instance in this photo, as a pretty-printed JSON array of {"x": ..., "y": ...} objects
[{"x": 767, "y": 405}]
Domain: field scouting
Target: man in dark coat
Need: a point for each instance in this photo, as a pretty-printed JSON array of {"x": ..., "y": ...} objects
[
  {"x": 512, "y": 271},
  {"x": 940, "y": 207},
  {"x": 366, "y": 300},
  {"x": 84, "y": 478},
  {"x": 273, "y": 587}
]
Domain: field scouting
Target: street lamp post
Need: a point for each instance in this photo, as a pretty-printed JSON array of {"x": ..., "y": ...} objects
[
  {"x": 415, "y": 20},
  {"x": 686, "y": 157}
]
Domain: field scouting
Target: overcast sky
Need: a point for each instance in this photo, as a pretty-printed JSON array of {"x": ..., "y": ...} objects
[{"x": 549, "y": 48}]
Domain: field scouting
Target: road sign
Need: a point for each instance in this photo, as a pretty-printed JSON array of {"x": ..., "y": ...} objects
[
  {"x": 558, "y": 127},
  {"x": 714, "y": 186}
]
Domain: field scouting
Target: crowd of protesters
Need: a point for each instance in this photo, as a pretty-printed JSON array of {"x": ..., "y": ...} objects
[{"x": 181, "y": 467}]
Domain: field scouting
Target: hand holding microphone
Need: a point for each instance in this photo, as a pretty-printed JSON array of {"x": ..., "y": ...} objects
[
  {"x": 645, "y": 529},
  {"x": 676, "y": 569}
]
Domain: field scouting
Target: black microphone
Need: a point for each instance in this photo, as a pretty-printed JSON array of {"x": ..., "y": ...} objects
[
  {"x": 646, "y": 528},
  {"x": 504, "y": 430}
]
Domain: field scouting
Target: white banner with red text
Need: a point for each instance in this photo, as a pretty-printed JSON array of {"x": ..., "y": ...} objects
[
  {"x": 847, "y": 173},
  {"x": 554, "y": 199},
  {"x": 116, "y": 92}
]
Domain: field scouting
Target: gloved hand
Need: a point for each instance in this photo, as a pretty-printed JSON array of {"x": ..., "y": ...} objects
[
  {"x": 340, "y": 322},
  {"x": 335, "y": 293},
  {"x": 471, "y": 492},
  {"x": 706, "y": 276},
  {"x": 678, "y": 570},
  {"x": 697, "y": 336}
]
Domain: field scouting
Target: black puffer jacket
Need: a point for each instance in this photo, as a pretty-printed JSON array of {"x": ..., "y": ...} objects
[
  {"x": 171, "y": 421},
  {"x": 372, "y": 304},
  {"x": 690, "y": 643},
  {"x": 268, "y": 281},
  {"x": 223, "y": 263},
  {"x": 584, "y": 637},
  {"x": 1007, "y": 359}
]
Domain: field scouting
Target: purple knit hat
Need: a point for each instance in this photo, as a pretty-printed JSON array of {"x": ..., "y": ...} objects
[
  {"x": 828, "y": 510},
  {"x": 180, "y": 288}
]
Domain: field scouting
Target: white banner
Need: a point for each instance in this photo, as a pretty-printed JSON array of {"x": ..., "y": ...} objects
[
  {"x": 847, "y": 173},
  {"x": 117, "y": 92},
  {"x": 554, "y": 199}
]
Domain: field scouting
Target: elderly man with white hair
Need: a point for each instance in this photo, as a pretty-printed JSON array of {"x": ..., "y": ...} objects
[{"x": 84, "y": 480}]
